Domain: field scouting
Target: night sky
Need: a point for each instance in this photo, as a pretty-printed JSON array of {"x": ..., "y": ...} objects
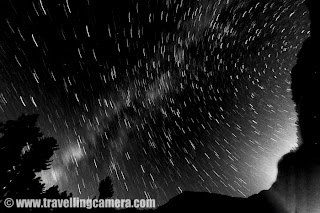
[{"x": 162, "y": 96}]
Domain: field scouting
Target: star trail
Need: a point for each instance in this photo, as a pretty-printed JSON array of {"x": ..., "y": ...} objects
[{"x": 162, "y": 96}]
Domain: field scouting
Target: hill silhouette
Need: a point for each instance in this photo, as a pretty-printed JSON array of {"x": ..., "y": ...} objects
[{"x": 264, "y": 202}]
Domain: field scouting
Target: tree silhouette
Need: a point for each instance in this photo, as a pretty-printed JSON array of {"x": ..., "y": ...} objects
[
  {"x": 23, "y": 152},
  {"x": 106, "y": 188}
]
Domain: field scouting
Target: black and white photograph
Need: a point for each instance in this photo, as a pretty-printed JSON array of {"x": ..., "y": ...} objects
[{"x": 160, "y": 106}]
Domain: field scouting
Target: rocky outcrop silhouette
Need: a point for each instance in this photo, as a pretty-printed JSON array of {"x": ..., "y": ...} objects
[
  {"x": 297, "y": 187},
  {"x": 298, "y": 180}
]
